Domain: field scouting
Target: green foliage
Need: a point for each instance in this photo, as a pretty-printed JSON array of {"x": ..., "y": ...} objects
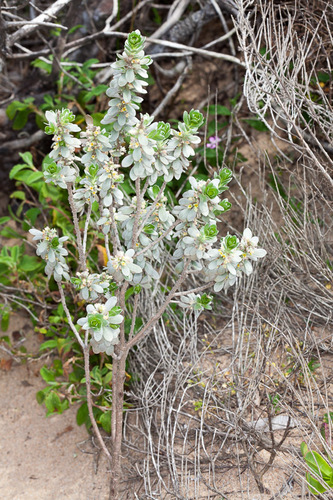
[{"x": 323, "y": 478}]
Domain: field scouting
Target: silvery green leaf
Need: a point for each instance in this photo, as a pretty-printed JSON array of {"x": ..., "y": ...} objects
[
  {"x": 134, "y": 268},
  {"x": 127, "y": 161},
  {"x": 122, "y": 81},
  {"x": 51, "y": 255},
  {"x": 178, "y": 254},
  {"x": 162, "y": 213},
  {"x": 127, "y": 96},
  {"x": 107, "y": 200},
  {"x": 130, "y": 76},
  {"x": 144, "y": 240},
  {"x": 122, "y": 119},
  {"x": 137, "y": 154},
  {"x": 98, "y": 334},
  {"x": 151, "y": 271}
]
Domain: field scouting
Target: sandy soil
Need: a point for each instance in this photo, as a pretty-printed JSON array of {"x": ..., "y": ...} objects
[{"x": 43, "y": 458}]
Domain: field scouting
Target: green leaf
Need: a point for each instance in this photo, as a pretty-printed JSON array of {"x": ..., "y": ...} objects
[
  {"x": 5, "y": 321},
  {"x": 40, "y": 396},
  {"x": 96, "y": 91},
  {"x": 314, "y": 486},
  {"x": 304, "y": 449},
  {"x": 3, "y": 220},
  {"x": 49, "y": 344},
  {"x": 129, "y": 292},
  {"x": 219, "y": 110},
  {"x": 34, "y": 177},
  {"x": 20, "y": 195},
  {"x": 27, "y": 158},
  {"x": 82, "y": 415},
  {"x": 16, "y": 169},
  {"x": 47, "y": 374},
  {"x": 32, "y": 214},
  {"x": 52, "y": 402},
  {"x": 30, "y": 263},
  {"x": 105, "y": 420},
  {"x": 46, "y": 66},
  {"x": 21, "y": 119},
  {"x": 256, "y": 124},
  {"x": 317, "y": 463},
  {"x": 74, "y": 28},
  {"x": 107, "y": 379}
]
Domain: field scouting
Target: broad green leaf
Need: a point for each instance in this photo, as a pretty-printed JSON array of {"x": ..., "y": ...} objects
[
  {"x": 304, "y": 449},
  {"x": 105, "y": 420},
  {"x": 108, "y": 377},
  {"x": 30, "y": 263},
  {"x": 16, "y": 169},
  {"x": 314, "y": 486},
  {"x": 14, "y": 107},
  {"x": 21, "y": 119},
  {"x": 32, "y": 214},
  {"x": 20, "y": 195},
  {"x": 52, "y": 402},
  {"x": 256, "y": 124},
  {"x": 47, "y": 374},
  {"x": 49, "y": 344},
  {"x": 319, "y": 465},
  {"x": 27, "y": 158},
  {"x": 34, "y": 177},
  {"x": 82, "y": 415},
  {"x": 5, "y": 321},
  {"x": 40, "y": 396},
  {"x": 3, "y": 220},
  {"x": 219, "y": 110}
]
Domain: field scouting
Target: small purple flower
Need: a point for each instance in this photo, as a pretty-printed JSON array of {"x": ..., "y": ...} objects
[{"x": 213, "y": 142}]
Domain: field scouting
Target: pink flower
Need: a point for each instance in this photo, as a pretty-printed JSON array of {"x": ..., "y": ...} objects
[{"x": 213, "y": 142}]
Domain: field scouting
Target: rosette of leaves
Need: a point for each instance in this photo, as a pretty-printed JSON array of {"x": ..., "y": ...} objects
[
  {"x": 102, "y": 322},
  {"x": 229, "y": 261},
  {"x": 130, "y": 70},
  {"x": 198, "y": 241},
  {"x": 61, "y": 127},
  {"x": 196, "y": 302},
  {"x": 250, "y": 251},
  {"x": 60, "y": 173},
  {"x": 91, "y": 286}
]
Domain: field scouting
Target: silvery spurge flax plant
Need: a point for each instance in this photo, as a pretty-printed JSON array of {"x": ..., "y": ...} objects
[
  {"x": 143, "y": 231},
  {"x": 138, "y": 230}
]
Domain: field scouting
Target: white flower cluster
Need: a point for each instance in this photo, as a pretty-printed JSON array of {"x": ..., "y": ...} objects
[
  {"x": 102, "y": 322},
  {"x": 51, "y": 250}
]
